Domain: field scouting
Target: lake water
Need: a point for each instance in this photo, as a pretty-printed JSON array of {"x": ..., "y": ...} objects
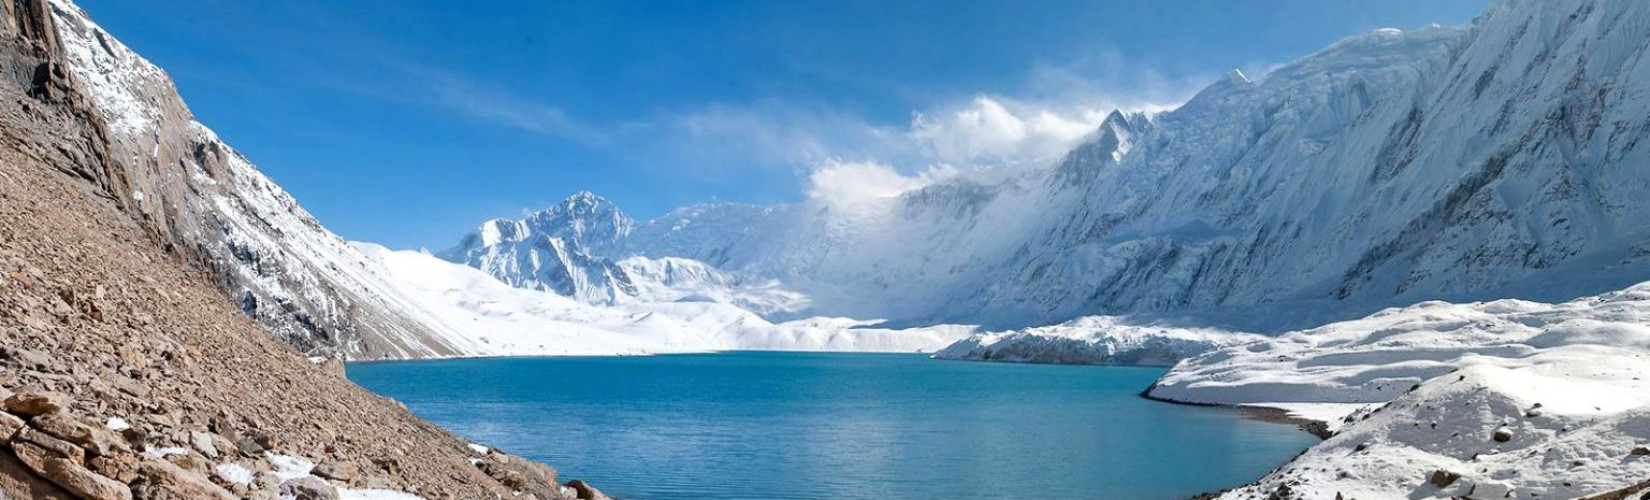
[{"x": 771, "y": 426}]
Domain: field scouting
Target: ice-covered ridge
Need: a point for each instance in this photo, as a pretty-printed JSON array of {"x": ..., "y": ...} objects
[{"x": 1095, "y": 340}]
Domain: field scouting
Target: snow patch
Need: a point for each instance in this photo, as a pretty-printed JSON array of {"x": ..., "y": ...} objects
[{"x": 234, "y": 473}]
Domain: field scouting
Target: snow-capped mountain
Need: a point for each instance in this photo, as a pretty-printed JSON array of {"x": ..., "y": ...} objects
[
  {"x": 208, "y": 205},
  {"x": 562, "y": 249},
  {"x": 1499, "y": 159},
  {"x": 578, "y": 249}
]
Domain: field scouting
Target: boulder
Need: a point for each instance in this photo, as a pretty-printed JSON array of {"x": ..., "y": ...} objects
[
  {"x": 84, "y": 483},
  {"x": 249, "y": 447},
  {"x": 132, "y": 356},
  {"x": 96, "y": 440},
  {"x": 309, "y": 488},
  {"x": 202, "y": 442},
  {"x": 35, "y": 403},
  {"x": 1638, "y": 451},
  {"x": 1443, "y": 478},
  {"x": 585, "y": 491},
  {"x": 32, "y": 455},
  {"x": 266, "y": 440},
  {"x": 50, "y": 445},
  {"x": 120, "y": 467},
  {"x": 160, "y": 480},
  {"x": 338, "y": 471},
  {"x": 1502, "y": 435},
  {"x": 9, "y": 425}
]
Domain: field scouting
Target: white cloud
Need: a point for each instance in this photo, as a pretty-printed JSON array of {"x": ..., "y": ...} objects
[
  {"x": 841, "y": 155},
  {"x": 997, "y": 132},
  {"x": 856, "y": 185}
]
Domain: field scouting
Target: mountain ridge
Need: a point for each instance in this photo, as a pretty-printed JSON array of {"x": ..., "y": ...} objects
[{"x": 1388, "y": 168}]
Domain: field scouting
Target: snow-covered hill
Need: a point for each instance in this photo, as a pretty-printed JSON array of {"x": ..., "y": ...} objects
[
  {"x": 1545, "y": 400},
  {"x": 496, "y": 319},
  {"x": 1095, "y": 340}
]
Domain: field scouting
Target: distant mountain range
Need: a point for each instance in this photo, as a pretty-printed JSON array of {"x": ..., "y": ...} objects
[{"x": 1497, "y": 160}]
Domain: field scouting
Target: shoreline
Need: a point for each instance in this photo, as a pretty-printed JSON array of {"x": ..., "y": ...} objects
[{"x": 1315, "y": 427}]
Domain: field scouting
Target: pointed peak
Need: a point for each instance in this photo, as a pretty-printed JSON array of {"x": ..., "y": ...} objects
[
  {"x": 1115, "y": 118},
  {"x": 1236, "y": 76},
  {"x": 585, "y": 202}
]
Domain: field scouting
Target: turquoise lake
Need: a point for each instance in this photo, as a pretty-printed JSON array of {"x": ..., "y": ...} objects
[{"x": 780, "y": 426}]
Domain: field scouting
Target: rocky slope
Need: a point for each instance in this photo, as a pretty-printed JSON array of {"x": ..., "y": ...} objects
[
  {"x": 208, "y": 205},
  {"x": 124, "y": 371}
]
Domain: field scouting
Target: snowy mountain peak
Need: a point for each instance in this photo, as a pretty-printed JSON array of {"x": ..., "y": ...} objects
[
  {"x": 586, "y": 203},
  {"x": 1107, "y": 145},
  {"x": 585, "y": 222}
]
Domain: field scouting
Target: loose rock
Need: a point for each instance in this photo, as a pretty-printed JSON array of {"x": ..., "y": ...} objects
[
  {"x": 160, "y": 480},
  {"x": 585, "y": 491},
  {"x": 50, "y": 445},
  {"x": 202, "y": 442},
  {"x": 95, "y": 440},
  {"x": 309, "y": 488},
  {"x": 338, "y": 471},
  {"x": 1443, "y": 478},
  {"x": 9, "y": 424},
  {"x": 84, "y": 483},
  {"x": 31, "y": 403}
]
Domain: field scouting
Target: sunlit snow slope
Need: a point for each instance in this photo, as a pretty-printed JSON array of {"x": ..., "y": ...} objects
[{"x": 494, "y": 318}]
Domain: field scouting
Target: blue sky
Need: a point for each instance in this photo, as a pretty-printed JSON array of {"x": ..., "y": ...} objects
[{"x": 407, "y": 122}]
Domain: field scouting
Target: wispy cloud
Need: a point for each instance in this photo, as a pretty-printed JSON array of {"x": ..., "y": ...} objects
[
  {"x": 1057, "y": 106},
  {"x": 485, "y": 102},
  {"x": 337, "y": 54}
]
